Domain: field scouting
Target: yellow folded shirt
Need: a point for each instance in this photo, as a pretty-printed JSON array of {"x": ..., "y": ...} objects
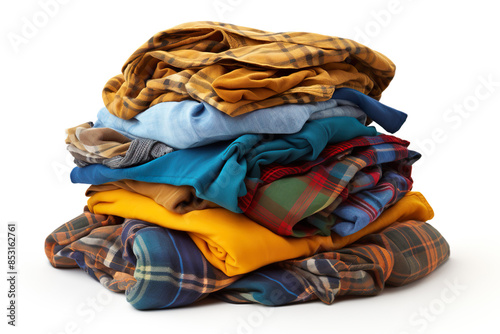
[{"x": 232, "y": 242}]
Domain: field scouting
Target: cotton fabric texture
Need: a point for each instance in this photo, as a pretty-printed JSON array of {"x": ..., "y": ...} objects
[
  {"x": 90, "y": 145},
  {"x": 240, "y": 164},
  {"x": 162, "y": 268},
  {"x": 191, "y": 123},
  {"x": 228, "y": 240},
  {"x": 217, "y": 171},
  {"x": 299, "y": 199},
  {"x": 237, "y": 69},
  {"x": 178, "y": 199}
]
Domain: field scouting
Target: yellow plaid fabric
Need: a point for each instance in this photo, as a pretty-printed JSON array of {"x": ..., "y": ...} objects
[{"x": 238, "y": 70}]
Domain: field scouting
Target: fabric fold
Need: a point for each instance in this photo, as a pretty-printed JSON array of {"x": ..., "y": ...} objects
[
  {"x": 229, "y": 241},
  {"x": 90, "y": 145},
  {"x": 238, "y": 163},
  {"x": 179, "y": 199},
  {"x": 190, "y": 123},
  {"x": 361, "y": 269},
  {"x": 301, "y": 198},
  {"x": 217, "y": 171},
  {"x": 170, "y": 271},
  {"x": 238, "y": 69}
]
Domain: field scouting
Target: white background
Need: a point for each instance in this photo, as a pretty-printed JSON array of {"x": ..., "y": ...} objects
[{"x": 444, "y": 52}]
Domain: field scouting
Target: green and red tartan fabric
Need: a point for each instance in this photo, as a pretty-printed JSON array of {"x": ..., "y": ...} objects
[{"x": 299, "y": 199}]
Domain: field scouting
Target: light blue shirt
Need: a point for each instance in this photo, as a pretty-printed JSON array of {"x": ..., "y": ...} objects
[{"x": 191, "y": 123}]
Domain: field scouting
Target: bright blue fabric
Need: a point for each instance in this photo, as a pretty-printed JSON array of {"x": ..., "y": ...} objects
[{"x": 217, "y": 171}]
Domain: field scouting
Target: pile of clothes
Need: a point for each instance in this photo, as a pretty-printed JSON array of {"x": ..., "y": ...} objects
[{"x": 238, "y": 163}]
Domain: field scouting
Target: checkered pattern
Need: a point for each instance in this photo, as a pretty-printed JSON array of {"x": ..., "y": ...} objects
[
  {"x": 238, "y": 70},
  {"x": 92, "y": 242},
  {"x": 290, "y": 193},
  {"x": 162, "y": 268}
]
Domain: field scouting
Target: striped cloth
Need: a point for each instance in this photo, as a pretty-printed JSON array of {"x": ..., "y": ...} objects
[
  {"x": 93, "y": 243},
  {"x": 90, "y": 145},
  {"x": 299, "y": 199},
  {"x": 162, "y": 268},
  {"x": 102, "y": 143},
  {"x": 361, "y": 209},
  {"x": 398, "y": 255},
  {"x": 238, "y": 70}
]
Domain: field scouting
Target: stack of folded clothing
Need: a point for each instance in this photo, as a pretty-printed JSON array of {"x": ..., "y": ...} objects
[{"x": 238, "y": 163}]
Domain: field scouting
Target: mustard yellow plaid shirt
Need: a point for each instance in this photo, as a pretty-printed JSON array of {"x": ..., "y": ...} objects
[{"x": 238, "y": 70}]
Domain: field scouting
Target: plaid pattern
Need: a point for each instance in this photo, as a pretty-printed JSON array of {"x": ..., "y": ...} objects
[
  {"x": 105, "y": 143},
  {"x": 288, "y": 194},
  {"x": 238, "y": 70},
  {"x": 92, "y": 242},
  {"x": 361, "y": 209},
  {"x": 217, "y": 171},
  {"x": 90, "y": 145},
  {"x": 398, "y": 255},
  {"x": 170, "y": 271}
]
